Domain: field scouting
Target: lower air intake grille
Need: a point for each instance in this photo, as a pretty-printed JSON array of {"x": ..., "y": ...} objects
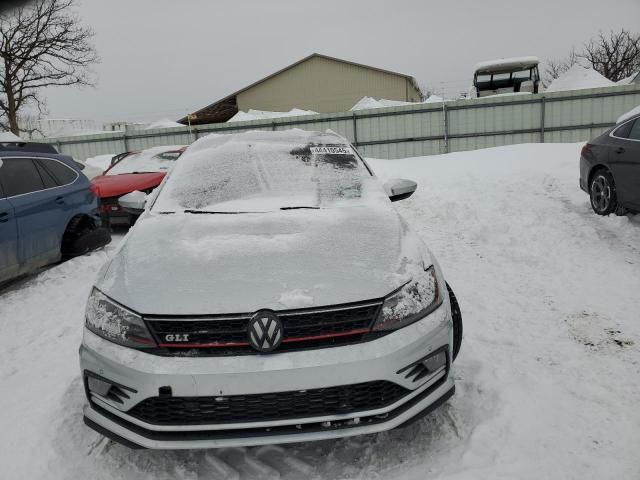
[{"x": 268, "y": 406}]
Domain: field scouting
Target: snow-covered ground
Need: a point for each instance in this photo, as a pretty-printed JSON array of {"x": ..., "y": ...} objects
[{"x": 548, "y": 379}]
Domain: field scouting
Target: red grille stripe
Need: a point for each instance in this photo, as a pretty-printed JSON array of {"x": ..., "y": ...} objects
[{"x": 246, "y": 344}]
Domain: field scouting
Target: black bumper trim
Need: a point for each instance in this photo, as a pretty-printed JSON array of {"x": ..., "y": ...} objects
[
  {"x": 110, "y": 435},
  {"x": 264, "y": 431}
]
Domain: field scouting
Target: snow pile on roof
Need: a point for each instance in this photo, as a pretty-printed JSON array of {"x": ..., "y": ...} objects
[
  {"x": 8, "y": 137},
  {"x": 156, "y": 159},
  {"x": 629, "y": 114},
  {"x": 264, "y": 114},
  {"x": 163, "y": 123},
  {"x": 507, "y": 63},
  {"x": 578, "y": 78},
  {"x": 366, "y": 103},
  {"x": 101, "y": 162},
  {"x": 434, "y": 99}
]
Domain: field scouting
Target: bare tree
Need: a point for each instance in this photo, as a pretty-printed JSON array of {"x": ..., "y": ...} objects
[
  {"x": 555, "y": 68},
  {"x": 615, "y": 56},
  {"x": 41, "y": 45}
]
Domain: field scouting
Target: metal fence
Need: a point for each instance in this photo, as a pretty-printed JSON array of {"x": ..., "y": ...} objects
[{"x": 414, "y": 130}]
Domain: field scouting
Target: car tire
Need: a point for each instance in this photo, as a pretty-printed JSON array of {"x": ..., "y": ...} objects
[
  {"x": 456, "y": 316},
  {"x": 602, "y": 192},
  {"x": 82, "y": 236}
]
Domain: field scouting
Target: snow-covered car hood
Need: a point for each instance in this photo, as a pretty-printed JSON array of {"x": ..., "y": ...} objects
[{"x": 198, "y": 264}]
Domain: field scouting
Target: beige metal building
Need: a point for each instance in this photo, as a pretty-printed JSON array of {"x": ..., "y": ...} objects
[{"x": 318, "y": 82}]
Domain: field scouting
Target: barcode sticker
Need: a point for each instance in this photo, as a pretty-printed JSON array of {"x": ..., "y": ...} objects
[{"x": 328, "y": 150}]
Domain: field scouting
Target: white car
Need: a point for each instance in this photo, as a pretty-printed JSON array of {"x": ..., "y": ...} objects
[{"x": 269, "y": 293}]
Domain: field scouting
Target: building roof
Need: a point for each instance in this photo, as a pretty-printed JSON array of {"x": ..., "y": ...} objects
[{"x": 225, "y": 108}]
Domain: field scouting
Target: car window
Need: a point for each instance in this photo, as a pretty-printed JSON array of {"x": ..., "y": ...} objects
[
  {"x": 634, "y": 134},
  {"x": 156, "y": 159},
  {"x": 522, "y": 75},
  {"x": 47, "y": 178},
  {"x": 20, "y": 176},
  {"x": 623, "y": 131},
  {"x": 62, "y": 174}
]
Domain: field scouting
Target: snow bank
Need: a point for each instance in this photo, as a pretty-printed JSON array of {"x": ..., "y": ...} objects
[
  {"x": 629, "y": 114},
  {"x": 263, "y": 114},
  {"x": 578, "y": 78}
]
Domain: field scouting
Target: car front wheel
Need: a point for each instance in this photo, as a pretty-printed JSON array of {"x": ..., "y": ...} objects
[{"x": 602, "y": 191}]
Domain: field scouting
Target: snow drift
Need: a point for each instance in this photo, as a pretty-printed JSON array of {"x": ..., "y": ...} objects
[{"x": 578, "y": 78}]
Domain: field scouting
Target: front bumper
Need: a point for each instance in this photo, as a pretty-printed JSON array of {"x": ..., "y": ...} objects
[{"x": 144, "y": 376}]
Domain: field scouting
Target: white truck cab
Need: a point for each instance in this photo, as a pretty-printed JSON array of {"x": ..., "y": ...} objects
[{"x": 506, "y": 76}]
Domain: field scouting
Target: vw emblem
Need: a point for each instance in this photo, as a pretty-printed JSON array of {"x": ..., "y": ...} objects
[{"x": 265, "y": 331}]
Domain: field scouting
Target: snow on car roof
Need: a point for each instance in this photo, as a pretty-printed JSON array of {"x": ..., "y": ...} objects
[
  {"x": 506, "y": 64},
  {"x": 260, "y": 171}
]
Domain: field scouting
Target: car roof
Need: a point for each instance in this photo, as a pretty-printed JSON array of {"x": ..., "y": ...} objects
[
  {"x": 27, "y": 147},
  {"x": 66, "y": 159}
]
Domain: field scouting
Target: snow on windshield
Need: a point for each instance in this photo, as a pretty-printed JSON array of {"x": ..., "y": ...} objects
[
  {"x": 157, "y": 159},
  {"x": 265, "y": 171}
]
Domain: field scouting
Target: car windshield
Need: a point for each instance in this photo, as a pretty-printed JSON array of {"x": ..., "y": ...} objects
[
  {"x": 157, "y": 159},
  {"x": 261, "y": 172}
]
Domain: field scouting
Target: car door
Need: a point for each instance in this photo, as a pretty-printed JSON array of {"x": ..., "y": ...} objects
[
  {"x": 8, "y": 237},
  {"x": 624, "y": 159},
  {"x": 35, "y": 208}
]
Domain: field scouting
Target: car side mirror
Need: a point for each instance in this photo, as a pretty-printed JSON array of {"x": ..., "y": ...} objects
[
  {"x": 133, "y": 202},
  {"x": 400, "y": 188}
]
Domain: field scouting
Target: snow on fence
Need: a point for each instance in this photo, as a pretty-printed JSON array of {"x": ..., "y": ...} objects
[{"x": 413, "y": 130}]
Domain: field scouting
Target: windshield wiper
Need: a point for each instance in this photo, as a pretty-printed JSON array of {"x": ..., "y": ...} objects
[
  {"x": 211, "y": 212},
  {"x": 299, "y": 208}
]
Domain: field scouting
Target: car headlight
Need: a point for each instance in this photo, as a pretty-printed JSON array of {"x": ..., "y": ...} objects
[
  {"x": 111, "y": 321},
  {"x": 417, "y": 298}
]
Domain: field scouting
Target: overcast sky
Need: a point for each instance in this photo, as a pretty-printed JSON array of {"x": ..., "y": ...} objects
[{"x": 163, "y": 58}]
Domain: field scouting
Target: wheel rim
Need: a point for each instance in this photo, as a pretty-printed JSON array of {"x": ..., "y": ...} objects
[{"x": 600, "y": 193}]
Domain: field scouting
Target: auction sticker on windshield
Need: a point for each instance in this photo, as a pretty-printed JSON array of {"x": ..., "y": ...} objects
[{"x": 331, "y": 150}]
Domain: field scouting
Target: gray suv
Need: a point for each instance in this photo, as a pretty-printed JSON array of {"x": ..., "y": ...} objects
[{"x": 269, "y": 293}]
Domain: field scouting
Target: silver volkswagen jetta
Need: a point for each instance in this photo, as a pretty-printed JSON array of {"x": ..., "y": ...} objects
[{"x": 269, "y": 293}]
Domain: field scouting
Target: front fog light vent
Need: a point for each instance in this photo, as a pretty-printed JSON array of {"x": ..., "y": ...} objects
[
  {"x": 98, "y": 386},
  {"x": 426, "y": 367},
  {"x": 107, "y": 389}
]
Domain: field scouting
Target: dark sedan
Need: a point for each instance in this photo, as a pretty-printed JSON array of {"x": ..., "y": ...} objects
[{"x": 610, "y": 169}]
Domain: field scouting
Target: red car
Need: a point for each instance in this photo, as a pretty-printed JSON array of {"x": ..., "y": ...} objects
[{"x": 141, "y": 170}]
